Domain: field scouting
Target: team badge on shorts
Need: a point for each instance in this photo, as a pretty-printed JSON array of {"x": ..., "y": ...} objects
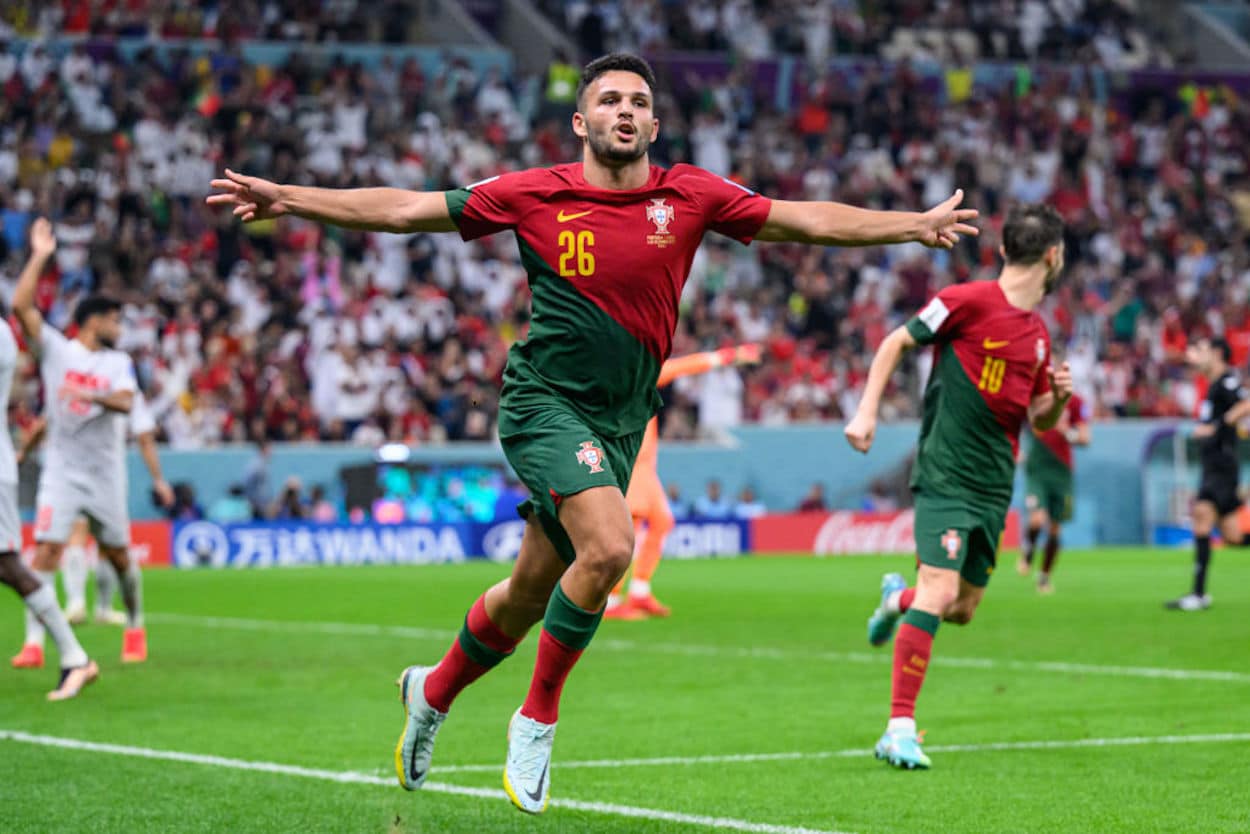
[
  {"x": 952, "y": 543},
  {"x": 592, "y": 456}
]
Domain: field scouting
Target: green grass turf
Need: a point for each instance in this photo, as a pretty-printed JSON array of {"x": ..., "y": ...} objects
[{"x": 676, "y": 687}]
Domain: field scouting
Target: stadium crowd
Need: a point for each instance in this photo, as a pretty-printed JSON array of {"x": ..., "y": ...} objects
[{"x": 291, "y": 332}]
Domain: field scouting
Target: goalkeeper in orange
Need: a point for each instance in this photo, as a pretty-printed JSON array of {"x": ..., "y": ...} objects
[{"x": 646, "y": 498}]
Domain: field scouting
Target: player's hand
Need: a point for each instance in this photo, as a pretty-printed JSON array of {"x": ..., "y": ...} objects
[
  {"x": 748, "y": 354},
  {"x": 251, "y": 197},
  {"x": 42, "y": 241},
  {"x": 1061, "y": 381},
  {"x": 164, "y": 493},
  {"x": 860, "y": 432},
  {"x": 941, "y": 226}
]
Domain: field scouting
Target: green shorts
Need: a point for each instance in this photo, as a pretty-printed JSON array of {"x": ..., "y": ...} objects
[
  {"x": 1050, "y": 491},
  {"x": 959, "y": 535},
  {"x": 556, "y": 454}
]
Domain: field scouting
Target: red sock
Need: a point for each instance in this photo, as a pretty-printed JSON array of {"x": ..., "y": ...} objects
[
  {"x": 555, "y": 661},
  {"x": 911, "y": 660},
  {"x": 905, "y": 599},
  {"x": 480, "y": 647}
]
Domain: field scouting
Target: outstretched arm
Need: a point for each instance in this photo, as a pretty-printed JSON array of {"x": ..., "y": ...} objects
[
  {"x": 701, "y": 363},
  {"x": 837, "y": 224},
  {"x": 42, "y": 245},
  {"x": 372, "y": 209},
  {"x": 863, "y": 426},
  {"x": 32, "y": 440},
  {"x": 152, "y": 460}
]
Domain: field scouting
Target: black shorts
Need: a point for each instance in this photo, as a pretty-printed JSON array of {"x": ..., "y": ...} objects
[{"x": 1220, "y": 488}]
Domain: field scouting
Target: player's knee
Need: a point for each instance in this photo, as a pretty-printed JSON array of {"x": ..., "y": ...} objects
[
  {"x": 959, "y": 614},
  {"x": 47, "y": 557},
  {"x": 608, "y": 556}
]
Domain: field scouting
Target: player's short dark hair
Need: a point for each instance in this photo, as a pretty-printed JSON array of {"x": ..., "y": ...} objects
[
  {"x": 95, "y": 305},
  {"x": 614, "y": 62},
  {"x": 1219, "y": 343},
  {"x": 1030, "y": 230}
]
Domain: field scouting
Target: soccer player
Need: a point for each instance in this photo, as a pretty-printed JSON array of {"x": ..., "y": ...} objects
[
  {"x": 608, "y": 243},
  {"x": 142, "y": 426},
  {"x": 88, "y": 392},
  {"x": 645, "y": 496},
  {"x": 991, "y": 372},
  {"x": 37, "y": 590},
  {"x": 1049, "y": 495},
  {"x": 1227, "y": 404}
]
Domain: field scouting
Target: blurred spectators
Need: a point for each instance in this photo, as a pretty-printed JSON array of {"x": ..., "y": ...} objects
[
  {"x": 712, "y": 503},
  {"x": 748, "y": 506},
  {"x": 289, "y": 331},
  {"x": 814, "y": 500},
  {"x": 231, "y": 508},
  {"x": 680, "y": 506}
]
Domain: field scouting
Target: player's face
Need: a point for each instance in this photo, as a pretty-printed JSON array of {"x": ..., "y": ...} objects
[
  {"x": 1199, "y": 355},
  {"x": 1054, "y": 270},
  {"x": 108, "y": 329},
  {"x": 617, "y": 119}
]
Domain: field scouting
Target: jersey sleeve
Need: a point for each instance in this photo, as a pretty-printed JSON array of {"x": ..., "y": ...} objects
[
  {"x": 1041, "y": 379},
  {"x": 941, "y": 318},
  {"x": 492, "y": 205},
  {"x": 730, "y": 209},
  {"x": 142, "y": 420},
  {"x": 52, "y": 342},
  {"x": 122, "y": 374}
]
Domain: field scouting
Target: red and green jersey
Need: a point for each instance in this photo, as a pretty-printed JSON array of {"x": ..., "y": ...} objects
[
  {"x": 1052, "y": 447},
  {"x": 990, "y": 361},
  {"x": 606, "y": 269}
]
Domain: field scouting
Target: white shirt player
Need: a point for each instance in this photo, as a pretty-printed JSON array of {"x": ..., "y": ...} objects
[
  {"x": 83, "y": 437},
  {"x": 8, "y": 366}
]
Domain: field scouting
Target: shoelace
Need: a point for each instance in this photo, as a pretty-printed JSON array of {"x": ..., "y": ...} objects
[{"x": 534, "y": 748}]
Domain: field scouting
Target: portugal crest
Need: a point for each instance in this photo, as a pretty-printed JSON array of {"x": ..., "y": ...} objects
[
  {"x": 952, "y": 542},
  {"x": 660, "y": 213},
  {"x": 591, "y": 455}
]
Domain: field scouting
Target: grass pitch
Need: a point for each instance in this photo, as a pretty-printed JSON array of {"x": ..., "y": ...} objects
[{"x": 1090, "y": 710}]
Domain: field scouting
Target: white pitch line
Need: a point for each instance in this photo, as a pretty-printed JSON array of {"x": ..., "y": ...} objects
[
  {"x": 357, "y": 778},
  {"x": 861, "y": 752},
  {"x": 696, "y": 650}
]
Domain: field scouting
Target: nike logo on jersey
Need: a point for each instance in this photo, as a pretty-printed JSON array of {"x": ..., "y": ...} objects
[
  {"x": 564, "y": 218},
  {"x": 537, "y": 793},
  {"x": 990, "y": 344}
]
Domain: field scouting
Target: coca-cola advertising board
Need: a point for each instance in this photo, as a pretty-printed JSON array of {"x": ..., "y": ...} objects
[{"x": 846, "y": 532}]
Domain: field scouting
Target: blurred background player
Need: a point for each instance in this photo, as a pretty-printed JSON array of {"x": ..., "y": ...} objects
[
  {"x": 37, "y": 590},
  {"x": 1049, "y": 468},
  {"x": 89, "y": 389},
  {"x": 1227, "y": 403},
  {"x": 647, "y": 502},
  {"x": 74, "y": 564},
  {"x": 991, "y": 372}
]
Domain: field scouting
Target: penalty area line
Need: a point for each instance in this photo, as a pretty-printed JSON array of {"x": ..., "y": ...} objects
[{"x": 358, "y": 778}]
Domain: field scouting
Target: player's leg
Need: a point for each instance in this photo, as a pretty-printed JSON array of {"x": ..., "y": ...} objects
[
  {"x": 1053, "y": 538},
  {"x": 57, "y": 507},
  {"x": 495, "y": 623},
  {"x": 74, "y": 573},
  {"x": 649, "y": 552},
  {"x": 106, "y": 584},
  {"x": 110, "y": 525},
  {"x": 618, "y": 607},
  {"x": 1038, "y": 521},
  {"x": 1205, "y": 516}
]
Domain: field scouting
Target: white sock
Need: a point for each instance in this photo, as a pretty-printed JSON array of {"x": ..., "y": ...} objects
[
  {"x": 640, "y": 587},
  {"x": 105, "y": 586},
  {"x": 74, "y": 572},
  {"x": 892, "y": 602},
  {"x": 34, "y": 626},
  {"x": 614, "y": 600},
  {"x": 42, "y": 604},
  {"x": 132, "y": 595},
  {"x": 901, "y": 725}
]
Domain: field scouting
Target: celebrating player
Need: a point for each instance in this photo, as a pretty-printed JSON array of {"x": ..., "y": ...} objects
[
  {"x": 88, "y": 391},
  {"x": 1226, "y": 405},
  {"x": 142, "y": 426},
  {"x": 37, "y": 590},
  {"x": 991, "y": 371},
  {"x": 607, "y": 243},
  {"x": 648, "y": 504},
  {"x": 1049, "y": 497}
]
